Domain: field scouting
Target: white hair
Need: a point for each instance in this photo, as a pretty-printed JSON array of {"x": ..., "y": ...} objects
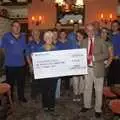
[{"x": 48, "y": 34}]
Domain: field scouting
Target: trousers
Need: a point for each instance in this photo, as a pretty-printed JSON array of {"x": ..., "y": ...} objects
[
  {"x": 48, "y": 92},
  {"x": 91, "y": 80},
  {"x": 78, "y": 85},
  {"x": 16, "y": 75}
]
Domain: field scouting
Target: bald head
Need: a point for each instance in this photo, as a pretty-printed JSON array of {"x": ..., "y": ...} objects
[
  {"x": 90, "y": 30},
  {"x": 96, "y": 25}
]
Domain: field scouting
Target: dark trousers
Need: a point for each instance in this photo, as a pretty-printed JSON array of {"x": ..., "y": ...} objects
[
  {"x": 16, "y": 75},
  {"x": 114, "y": 73},
  {"x": 66, "y": 82},
  {"x": 35, "y": 88},
  {"x": 48, "y": 92}
]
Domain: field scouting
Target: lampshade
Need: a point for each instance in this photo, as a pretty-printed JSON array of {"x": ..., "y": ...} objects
[
  {"x": 79, "y": 2},
  {"x": 60, "y": 2},
  {"x": 118, "y": 10},
  {"x": 76, "y": 2}
]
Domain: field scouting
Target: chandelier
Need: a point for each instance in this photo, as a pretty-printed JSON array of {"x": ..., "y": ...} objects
[
  {"x": 77, "y": 2},
  {"x": 59, "y": 2}
]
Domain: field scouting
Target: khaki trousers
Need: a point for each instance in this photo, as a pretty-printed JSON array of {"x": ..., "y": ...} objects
[
  {"x": 90, "y": 79},
  {"x": 78, "y": 85}
]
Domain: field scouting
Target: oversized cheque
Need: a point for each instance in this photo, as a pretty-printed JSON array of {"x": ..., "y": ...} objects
[{"x": 59, "y": 63}]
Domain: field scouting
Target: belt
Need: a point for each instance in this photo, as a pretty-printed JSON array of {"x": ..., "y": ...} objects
[
  {"x": 116, "y": 58},
  {"x": 90, "y": 66}
]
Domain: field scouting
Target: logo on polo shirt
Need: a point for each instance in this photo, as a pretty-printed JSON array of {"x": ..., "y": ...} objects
[
  {"x": 11, "y": 42},
  {"x": 32, "y": 47}
]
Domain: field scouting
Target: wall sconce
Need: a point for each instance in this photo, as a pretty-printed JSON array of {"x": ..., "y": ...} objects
[
  {"x": 105, "y": 19},
  {"x": 36, "y": 20}
]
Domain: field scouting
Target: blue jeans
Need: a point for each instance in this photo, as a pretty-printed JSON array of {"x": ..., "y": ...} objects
[{"x": 58, "y": 88}]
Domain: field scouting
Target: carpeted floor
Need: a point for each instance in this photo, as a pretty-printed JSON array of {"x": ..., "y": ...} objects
[{"x": 66, "y": 109}]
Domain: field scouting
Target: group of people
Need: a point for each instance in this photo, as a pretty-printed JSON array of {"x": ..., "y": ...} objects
[{"x": 103, "y": 56}]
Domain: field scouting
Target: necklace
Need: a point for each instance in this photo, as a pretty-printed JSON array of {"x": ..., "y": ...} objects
[{"x": 48, "y": 47}]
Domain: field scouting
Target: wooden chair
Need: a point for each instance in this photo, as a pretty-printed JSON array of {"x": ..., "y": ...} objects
[
  {"x": 115, "y": 106},
  {"x": 6, "y": 89},
  {"x": 107, "y": 96}
]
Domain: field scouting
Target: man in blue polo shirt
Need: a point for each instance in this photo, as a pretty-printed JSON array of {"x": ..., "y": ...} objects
[
  {"x": 114, "y": 75},
  {"x": 14, "y": 46},
  {"x": 72, "y": 35},
  {"x": 116, "y": 37},
  {"x": 64, "y": 44}
]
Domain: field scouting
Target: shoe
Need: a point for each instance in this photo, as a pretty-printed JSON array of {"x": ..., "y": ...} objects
[
  {"x": 45, "y": 109},
  {"x": 97, "y": 114},
  {"x": 84, "y": 109},
  {"x": 52, "y": 109},
  {"x": 24, "y": 100},
  {"x": 76, "y": 98}
]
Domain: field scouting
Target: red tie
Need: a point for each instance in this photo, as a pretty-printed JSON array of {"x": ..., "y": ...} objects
[{"x": 90, "y": 52}]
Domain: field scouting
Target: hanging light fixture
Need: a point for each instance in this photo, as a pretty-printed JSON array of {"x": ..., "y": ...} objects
[
  {"x": 79, "y": 2},
  {"x": 59, "y": 2},
  {"x": 118, "y": 8}
]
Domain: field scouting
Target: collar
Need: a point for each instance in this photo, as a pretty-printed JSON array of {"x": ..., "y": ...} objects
[{"x": 14, "y": 36}]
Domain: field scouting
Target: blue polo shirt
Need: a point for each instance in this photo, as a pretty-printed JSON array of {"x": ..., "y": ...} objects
[
  {"x": 77, "y": 44},
  {"x": 72, "y": 39},
  {"x": 33, "y": 47},
  {"x": 116, "y": 44},
  {"x": 63, "y": 45},
  {"x": 14, "y": 49}
]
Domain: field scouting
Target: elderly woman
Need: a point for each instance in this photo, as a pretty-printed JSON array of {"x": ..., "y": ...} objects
[{"x": 48, "y": 84}]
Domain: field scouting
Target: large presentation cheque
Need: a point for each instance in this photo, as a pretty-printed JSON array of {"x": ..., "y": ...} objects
[{"x": 59, "y": 63}]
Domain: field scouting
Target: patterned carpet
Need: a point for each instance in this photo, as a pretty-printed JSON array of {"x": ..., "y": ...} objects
[{"x": 66, "y": 109}]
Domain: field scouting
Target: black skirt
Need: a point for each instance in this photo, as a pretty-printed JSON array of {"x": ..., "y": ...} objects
[{"x": 114, "y": 73}]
